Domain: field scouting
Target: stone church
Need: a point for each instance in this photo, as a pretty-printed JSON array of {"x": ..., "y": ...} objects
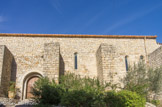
[{"x": 26, "y": 57}]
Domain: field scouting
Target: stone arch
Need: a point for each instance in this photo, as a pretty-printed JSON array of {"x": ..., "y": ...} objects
[{"x": 26, "y": 79}]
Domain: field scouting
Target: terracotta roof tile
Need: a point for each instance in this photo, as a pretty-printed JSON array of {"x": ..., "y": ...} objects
[{"x": 74, "y": 35}]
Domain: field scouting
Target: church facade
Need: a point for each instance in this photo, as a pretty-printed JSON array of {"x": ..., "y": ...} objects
[{"x": 26, "y": 57}]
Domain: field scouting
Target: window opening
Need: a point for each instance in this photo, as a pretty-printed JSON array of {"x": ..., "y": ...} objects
[
  {"x": 126, "y": 62},
  {"x": 75, "y": 61}
]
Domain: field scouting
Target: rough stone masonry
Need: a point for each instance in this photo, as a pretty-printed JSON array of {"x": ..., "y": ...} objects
[{"x": 24, "y": 57}]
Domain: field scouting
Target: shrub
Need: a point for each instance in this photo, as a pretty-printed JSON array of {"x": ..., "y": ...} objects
[
  {"x": 89, "y": 87},
  {"x": 82, "y": 98},
  {"x": 144, "y": 80},
  {"x": 71, "y": 87},
  {"x": 155, "y": 79},
  {"x": 77, "y": 98},
  {"x": 42, "y": 105},
  {"x": 47, "y": 92},
  {"x": 111, "y": 99},
  {"x": 82, "y": 92},
  {"x": 136, "y": 79},
  {"x": 71, "y": 81},
  {"x": 155, "y": 102},
  {"x": 124, "y": 99}
]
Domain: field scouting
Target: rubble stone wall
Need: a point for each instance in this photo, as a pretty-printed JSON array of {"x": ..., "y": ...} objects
[
  {"x": 155, "y": 58},
  {"x": 5, "y": 69},
  {"x": 36, "y": 54},
  {"x": 51, "y": 60}
]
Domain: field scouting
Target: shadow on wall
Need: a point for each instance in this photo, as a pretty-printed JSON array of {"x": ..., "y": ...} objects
[
  {"x": 13, "y": 70},
  {"x": 62, "y": 66},
  {"x": 13, "y": 76}
]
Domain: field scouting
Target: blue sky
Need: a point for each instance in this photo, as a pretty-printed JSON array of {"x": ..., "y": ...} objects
[{"x": 108, "y": 17}]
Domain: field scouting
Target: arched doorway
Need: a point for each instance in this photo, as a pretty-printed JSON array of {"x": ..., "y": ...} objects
[{"x": 30, "y": 84}]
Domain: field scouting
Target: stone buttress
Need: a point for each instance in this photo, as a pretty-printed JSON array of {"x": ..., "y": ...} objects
[
  {"x": 51, "y": 60},
  {"x": 6, "y": 59}
]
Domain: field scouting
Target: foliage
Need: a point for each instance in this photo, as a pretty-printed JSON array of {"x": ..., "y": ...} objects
[
  {"x": 47, "y": 92},
  {"x": 78, "y": 98},
  {"x": 71, "y": 87},
  {"x": 155, "y": 102},
  {"x": 155, "y": 79},
  {"x": 136, "y": 79},
  {"x": 71, "y": 81},
  {"x": 12, "y": 86},
  {"x": 89, "y": 87},
  {"x": 124, "y": 99},
  {"x": 42, "y": 105},
  {"x": 82, "y": 92},
  {"x": 144, "y": 80}
]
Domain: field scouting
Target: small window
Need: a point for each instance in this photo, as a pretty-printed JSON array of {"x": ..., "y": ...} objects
[
  {"x": 126, "y": 62},
  {"x": 141, "y": 57},
  {"x": 75, "y": 61}
]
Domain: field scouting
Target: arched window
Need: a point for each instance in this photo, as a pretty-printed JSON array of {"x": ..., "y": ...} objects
[
  {"x": 126, "y": 62},
  {"x": 75, "y": 61}
]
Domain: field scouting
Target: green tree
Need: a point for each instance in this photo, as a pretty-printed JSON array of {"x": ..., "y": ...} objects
[{"x": 136, "y": 79}]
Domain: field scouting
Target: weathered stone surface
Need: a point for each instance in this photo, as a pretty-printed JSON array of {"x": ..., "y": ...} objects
[
  {"x": 149, "y": 105},
  {"x": 5, "y": 69},
  {"x": 6, "y": 102},
  {"x": 52, "y": 56},
  {"x": 155, "y": 58},
  {"x": 106, "y": 59},
  {"x": 51, "y": 60}
]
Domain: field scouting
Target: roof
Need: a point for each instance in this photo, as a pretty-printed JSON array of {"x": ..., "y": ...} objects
[{"x": 75, "y": 36}]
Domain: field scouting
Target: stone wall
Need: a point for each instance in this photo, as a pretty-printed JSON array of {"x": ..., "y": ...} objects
[
  {"x": 1, "y": 60},
  {"x": 106, "y": 56},
  {"x": 1, "y": 67},
  {"x": 5, "y": 71},
  {"x": 99, "y": 64},
  {"x": 155, "y": 58},
  {"x": 108, "y": 61},
  {"x": 51, "y": 60},
  {"x": 30, "y": 54}
]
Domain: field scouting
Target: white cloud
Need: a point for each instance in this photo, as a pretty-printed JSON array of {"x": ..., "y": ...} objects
[
  {"x": 2, "y": 19},
  {"x": 57, "y": 5},
  {"x": 131, "y": 18}
]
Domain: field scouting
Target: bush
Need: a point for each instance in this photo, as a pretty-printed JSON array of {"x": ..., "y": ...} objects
[
  {"x": 82, "y": 92},
  {"x": 136, "y": 79},
  {"x": 47, "y": 92},
  {"x": 124, "y": 99},
  {"x": 85, "y": 89},
  {"x": 71, "y": 81},
  {"x": 155, "y": 79},
  {"x": 155, "y": 102},
  {"x": 144, "y": 80},
  {"x": 77, "y": 98},
  {"x": 42, "y": 105},
  {"x": 82, "y": 98}
]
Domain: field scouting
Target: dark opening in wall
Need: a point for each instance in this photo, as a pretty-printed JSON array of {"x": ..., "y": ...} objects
[
  {"x": 126, "y": 62},
  {"x": 75, "y": 61},
  {"x": 141, "y": 57}
]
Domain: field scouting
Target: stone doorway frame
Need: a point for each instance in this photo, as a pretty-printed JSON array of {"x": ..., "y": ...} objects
[{"x": 25, "y": 81}]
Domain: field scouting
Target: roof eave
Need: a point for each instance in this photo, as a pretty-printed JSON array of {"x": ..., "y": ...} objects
[{"x": 75, "y": 35}]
